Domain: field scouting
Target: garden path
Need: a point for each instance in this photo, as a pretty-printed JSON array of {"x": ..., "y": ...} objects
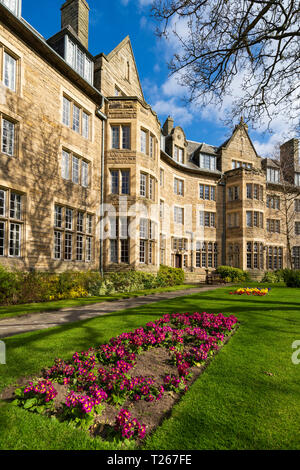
[{"x": 40, "y": 321}]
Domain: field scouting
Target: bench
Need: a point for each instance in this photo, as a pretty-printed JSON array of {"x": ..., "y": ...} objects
[{"x": 214, "y": 278}]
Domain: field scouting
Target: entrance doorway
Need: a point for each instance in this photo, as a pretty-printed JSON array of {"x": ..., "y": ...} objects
[{"x": 178, "y": 261}]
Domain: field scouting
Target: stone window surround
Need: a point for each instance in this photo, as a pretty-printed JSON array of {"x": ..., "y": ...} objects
[
  {"x": 16, "y": 126},
  {"x": 86, "y": 233},
  {"x": 119, "y": 239},
  {"x": 8, "y": 220},
  {"x": 145, "y": 184},
  {"x": 66, "y": 97},
  {"x": 120, "y": 135},
  {"x": 81, "y": 173},
  {"x": 148, "y": 135},
  {"x": 179, "y": 186},
  {"x": 211, "y": 191},
  {"x": 119, "y": 189}
]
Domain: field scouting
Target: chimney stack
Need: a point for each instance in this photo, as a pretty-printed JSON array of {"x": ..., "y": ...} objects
[
  {"x": 168, "y": 126},
  {"x": 76, "y": 14}
]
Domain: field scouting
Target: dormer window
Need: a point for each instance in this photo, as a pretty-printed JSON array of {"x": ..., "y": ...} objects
[
  {"x": 272, "y": 175},
  {"x": 178, "y": 154},
  {"x": 13, "y": 5},
  {"x": 78, "y": 60},
  {"x": 207, "y": 161}
]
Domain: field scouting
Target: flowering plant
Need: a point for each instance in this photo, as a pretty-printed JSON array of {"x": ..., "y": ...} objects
[
  {"x": 103, "y": 375},
  {"x": 36, "y": 397},
  {"x": 128, "y": 427},
  {"x": 175, "y": 384},
  {"x": 251, "y": 291},
  {"x": 79, "y": 409}
]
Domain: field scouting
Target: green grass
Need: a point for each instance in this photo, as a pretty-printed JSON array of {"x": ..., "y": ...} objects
[
  {"x": 233, "y": 405},
  {"x": 25, "y": 309}
]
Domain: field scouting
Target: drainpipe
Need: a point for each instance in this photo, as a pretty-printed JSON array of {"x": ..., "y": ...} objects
[{"x": 103, "y": 118}]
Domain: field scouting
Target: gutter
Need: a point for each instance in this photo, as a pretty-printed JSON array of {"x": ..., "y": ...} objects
[{"x": 103, "y": 118}]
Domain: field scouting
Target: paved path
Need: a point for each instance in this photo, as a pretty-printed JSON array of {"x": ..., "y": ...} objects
[{"x": 40, "y": 321}]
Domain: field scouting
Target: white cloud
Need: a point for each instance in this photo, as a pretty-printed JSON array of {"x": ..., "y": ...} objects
[
  {"x": 180, "y": 114},
  {"x": 172, "y": 87},
  {"x": 142, "y": 3}
]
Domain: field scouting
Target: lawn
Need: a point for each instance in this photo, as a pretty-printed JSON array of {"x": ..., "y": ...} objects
[{"x": 248, "y": 397}]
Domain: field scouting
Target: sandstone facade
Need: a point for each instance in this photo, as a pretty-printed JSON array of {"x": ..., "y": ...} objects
[{"x": 89, "y": 179}]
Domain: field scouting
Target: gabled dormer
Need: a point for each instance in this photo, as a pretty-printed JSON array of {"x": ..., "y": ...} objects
[{"x": 175, "y": 141}]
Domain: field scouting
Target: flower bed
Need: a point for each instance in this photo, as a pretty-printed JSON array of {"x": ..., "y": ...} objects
[
  {"x": 145, "y": 369},
  {"x": 252, "y": 291}
]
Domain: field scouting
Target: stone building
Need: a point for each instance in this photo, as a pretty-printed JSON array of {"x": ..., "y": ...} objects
[{"x": 90, "y": 179}]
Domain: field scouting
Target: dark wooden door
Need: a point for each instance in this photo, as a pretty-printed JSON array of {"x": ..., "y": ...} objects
[{"x": 178, "y": 261}]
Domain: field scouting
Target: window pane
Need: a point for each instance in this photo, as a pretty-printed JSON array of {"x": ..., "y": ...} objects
[
  {"x": 2, "y": 238},
  {"x": 80, "y": 217},
  {"x": 85, "y": 125},
  {"x": 15, "y": 206},
  {"x": 125, "y": 181},
  {"x": 84, "y": 174},
  {"x": 58, "y": 216},
  {"x": 143, "y": 228},
  {"x": 142, "y": 251},
  {"x": 88, "y": 70},
  {"x": 80, "y": 61},
  {"x": 15, "y": 240},
  {"x": 124, "y": 251},
  {"x": 66, "y": 111},
  {"x": 71, "y": 53},
  {"x": 57, "y": 245},
  {"x": 2, "y": 202},
  {"x": 65, "y": 165},
  {"x": 68, "y": 246},
  {"x": 10, "y": 71},
  {"x": 75, "y": 170},
  {"x": 8, "y": 137},
  {"x": 76, "y": 118},
  {"x": 143, "y": 141},
  {"x": 88, "y": 249},
  {"x": 114, "y": 251},
  {"x": 126, "y": 137},
  {"x": 114, "y": 181},
  {"x": 79, "y": 248},
  {"x": 143, "y": 180},
  {"x": 69, "y": 219},
  {"x": 115, "y": 134},
  {"x": 89, "y": 223}
]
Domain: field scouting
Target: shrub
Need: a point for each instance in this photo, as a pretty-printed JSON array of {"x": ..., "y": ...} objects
[
  {"x": 233, "y": 274},
  {"x": 291, "y": 278},
  {"x": 169, "y": 276},
  {"x": 272, "y": 277},
  {"x": 24, "y": 287},
  {"x": 9, "y": 286}
]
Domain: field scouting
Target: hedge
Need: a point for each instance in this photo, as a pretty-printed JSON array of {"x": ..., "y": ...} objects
[
  {"x": 291, "y": 277},
  {"x": 231, "y": 274},
  {"x": 23, "y": 287}
]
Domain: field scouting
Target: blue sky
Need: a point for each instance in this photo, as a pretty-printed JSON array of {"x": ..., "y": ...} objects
[{"x": 110, "y": 22}]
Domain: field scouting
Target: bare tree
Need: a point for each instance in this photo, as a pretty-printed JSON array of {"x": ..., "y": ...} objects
[{"x": 255, "y": 43}]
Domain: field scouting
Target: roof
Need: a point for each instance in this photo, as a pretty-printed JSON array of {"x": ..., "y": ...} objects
[
  {"x": 270, "y": 162},
  {"x": 189, "y": 166},
  {"x": 34, "y": 40}
]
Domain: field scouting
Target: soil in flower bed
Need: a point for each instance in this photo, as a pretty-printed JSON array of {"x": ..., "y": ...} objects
[{"x": 155, "y": 363}]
